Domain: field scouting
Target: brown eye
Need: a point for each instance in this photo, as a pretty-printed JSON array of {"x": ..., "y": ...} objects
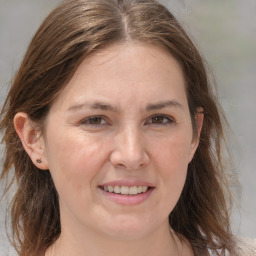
[
  {"x": 160, "y": 120},
  {"x": 157, "y": 119},
  {"x": 95, "y": 120}
]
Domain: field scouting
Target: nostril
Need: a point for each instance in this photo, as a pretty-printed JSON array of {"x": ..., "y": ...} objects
[
  {"x": 129, "y": 161},
  {"x": 120, "y": 165}
]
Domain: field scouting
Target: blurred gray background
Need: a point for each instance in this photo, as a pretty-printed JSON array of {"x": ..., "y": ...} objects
[{"x": 224, "y": 31}]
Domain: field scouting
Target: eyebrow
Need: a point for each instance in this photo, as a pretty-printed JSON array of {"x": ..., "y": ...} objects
[
  {"x": 164, "y": 104},
  {"x": 97, "y": 105},
  {"x": 93, "y": 105}
]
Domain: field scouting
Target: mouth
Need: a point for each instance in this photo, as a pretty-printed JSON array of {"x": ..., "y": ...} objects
[{"x": 126, "y": 190}]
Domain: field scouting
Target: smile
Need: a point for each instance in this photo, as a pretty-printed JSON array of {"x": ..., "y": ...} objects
[{"x": 125, "y": 190}]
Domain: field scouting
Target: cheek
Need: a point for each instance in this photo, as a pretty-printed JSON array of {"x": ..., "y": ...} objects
[
  {"x": 171, "y": 160},
  {"x": 74, "y": 160},
  {"x": 173, "y": 151}
]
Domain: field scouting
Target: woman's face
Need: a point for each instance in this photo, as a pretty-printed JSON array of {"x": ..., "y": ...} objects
[{"x": 123, "y": 124}]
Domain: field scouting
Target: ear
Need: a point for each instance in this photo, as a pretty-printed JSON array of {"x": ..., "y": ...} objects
[
  {"x": 31, "y": 139},
  {"x": 199, "y": 118}
]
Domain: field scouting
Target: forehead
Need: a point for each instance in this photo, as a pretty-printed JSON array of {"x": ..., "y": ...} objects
[
  {"x": 130, "y": 54},
  {"x": 133, "y": 69}
]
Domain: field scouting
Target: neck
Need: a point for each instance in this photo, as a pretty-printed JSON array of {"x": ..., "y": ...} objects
[{"x": 160, "y": 242}]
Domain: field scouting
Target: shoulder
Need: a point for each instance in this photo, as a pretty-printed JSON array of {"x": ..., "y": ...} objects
[
  {"x": 243, "y": 247},
  {"x": 246, "y": 246}
]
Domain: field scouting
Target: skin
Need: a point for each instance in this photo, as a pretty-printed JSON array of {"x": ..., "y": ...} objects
[{"x": 133, "y": 138}]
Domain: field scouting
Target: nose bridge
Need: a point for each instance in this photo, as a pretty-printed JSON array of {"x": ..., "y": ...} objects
[
  {"x": 133, "y": 140},
  {"x": 130, "y": 151}
]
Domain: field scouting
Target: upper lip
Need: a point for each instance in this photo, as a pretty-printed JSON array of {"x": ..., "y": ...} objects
[{"x": 128, "y": 183}]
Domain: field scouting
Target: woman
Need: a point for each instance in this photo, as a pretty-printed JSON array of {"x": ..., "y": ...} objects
[{"x": 115, "y": 138}]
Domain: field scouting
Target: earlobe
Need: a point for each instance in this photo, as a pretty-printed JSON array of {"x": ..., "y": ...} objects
[
  {"x": 31, "y": 139},
  {"x": 199, "y": 118}
]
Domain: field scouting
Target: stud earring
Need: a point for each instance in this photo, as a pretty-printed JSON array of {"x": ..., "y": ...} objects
[{"x": 39, "y": 161}]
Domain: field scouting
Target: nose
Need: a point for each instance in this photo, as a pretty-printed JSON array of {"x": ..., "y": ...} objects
[{"x": 129, "y": 150}]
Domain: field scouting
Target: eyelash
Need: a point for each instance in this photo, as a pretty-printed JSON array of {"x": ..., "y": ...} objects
[
  {"x": 166, "y": 120},
  {"x": 93, "y": 118}
]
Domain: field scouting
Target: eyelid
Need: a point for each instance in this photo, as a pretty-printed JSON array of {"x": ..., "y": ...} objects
[
  {"x": 170, "y": 119},
  {"x": 87, "y": 119}
]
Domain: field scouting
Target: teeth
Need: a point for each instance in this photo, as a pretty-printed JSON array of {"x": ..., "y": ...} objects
[
  {"x": 110, "y": 189},
  {"x": 125, "y": 190},
  {"x": 144, "y": 189},
  {"x": 140, "y": 189},
  {"x": 117, "y": 189},
  {"x": 133, "y": 190}
]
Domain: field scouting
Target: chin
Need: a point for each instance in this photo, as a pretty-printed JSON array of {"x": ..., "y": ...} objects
[{"x": 128, "y": 228}]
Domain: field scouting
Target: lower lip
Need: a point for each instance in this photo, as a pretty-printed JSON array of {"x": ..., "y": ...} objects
[{"x": 128, "y": 199}]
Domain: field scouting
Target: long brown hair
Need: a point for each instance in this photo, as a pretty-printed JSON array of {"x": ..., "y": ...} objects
[{"x": 75, "y": 29}]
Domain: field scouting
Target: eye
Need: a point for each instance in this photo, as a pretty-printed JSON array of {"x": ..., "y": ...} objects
[
  {"x": 94, "y": 120},
  {"x": 160, "y": 120}
]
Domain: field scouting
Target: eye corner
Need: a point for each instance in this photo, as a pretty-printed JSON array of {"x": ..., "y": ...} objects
[
  {"x": 94, "y": 121},
  {"x": 160, "y": 120}
]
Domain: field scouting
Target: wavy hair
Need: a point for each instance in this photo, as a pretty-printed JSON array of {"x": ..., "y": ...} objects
[{"x": 74, "y": 30}]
